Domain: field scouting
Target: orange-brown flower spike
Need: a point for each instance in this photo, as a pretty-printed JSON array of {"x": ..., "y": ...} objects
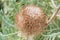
[{"x": 31, "y": 20}]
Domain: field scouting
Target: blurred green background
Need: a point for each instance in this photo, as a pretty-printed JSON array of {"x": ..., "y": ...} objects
[{"x": 9, "y": 8}]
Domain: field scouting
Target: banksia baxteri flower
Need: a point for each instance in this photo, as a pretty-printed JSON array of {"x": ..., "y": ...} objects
[{"x": 31, "y": 20}]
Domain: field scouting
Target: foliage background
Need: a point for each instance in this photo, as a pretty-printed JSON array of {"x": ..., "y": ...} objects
[{"x": 9, "y": 8}]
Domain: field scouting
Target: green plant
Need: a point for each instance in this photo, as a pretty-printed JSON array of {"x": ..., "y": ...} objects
[{"x": 11, "y": 7}]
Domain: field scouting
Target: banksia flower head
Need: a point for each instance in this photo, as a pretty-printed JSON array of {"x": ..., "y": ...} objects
[{"x": 31, "y": 20}]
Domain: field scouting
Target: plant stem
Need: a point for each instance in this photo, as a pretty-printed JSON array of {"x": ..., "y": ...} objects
[{"x": 54, "y": 14}]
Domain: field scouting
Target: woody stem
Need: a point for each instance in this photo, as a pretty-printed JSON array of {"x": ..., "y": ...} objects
[{"x": 54, "y": 14}]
